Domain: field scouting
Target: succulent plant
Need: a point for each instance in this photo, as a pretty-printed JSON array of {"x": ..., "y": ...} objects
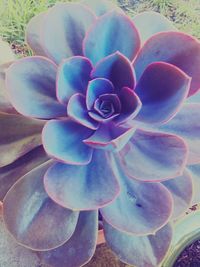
[{"x": 103, "y": 121}]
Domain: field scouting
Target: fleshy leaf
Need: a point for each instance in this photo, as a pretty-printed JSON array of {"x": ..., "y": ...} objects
[
  {"x": 181, "y": 189},
  {"x": 6, "y": 54},
  {"x": 149, "y": 23},
  {"x": 136, "y": 210},
  {"x": 79, "y": 249},
  {"x": 101, "y": 105},
  {"x": 31, "y": 85},
  {"x": 73, "y": 77},
  {"x": 143, "y": 158},
  {"x": 194, "y": 171},
  {"x": 99, "y": 8},
  {"x": 5, "y": 105},
  {"x": 140, "y": 251},
  {"x": 34, "y": 34},
  {"x": 110, "y": 137},
  {"x": 130, "y": 104},
  {"x": 176, "y": 48},
  {"x": 112, "y": 32},
  {"x": 35, "y": 220},
  {"x": 14, "y": 171},
  {"x": 63, "y": 140},
  {"x": 194, "y": 98},
  {"x": 77, "y": 110},
  {"x": 18, "y": 136},
  {"x": 68, "y": 23},
  {"x": 96, "y": 88},
  {"x": 161, "y": 98},
  {"x": 116, "y": 68},
  {"x": 82, "y": 187},
  {"x": 185, "y": 124},
  {"x": 13, "y": 254}
]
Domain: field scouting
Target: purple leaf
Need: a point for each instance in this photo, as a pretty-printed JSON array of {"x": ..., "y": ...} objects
[
  {"x": 33, "y": 218},
  {"x": 140, "y": 251},
  {"x": 149, "y": 23},
  {"x": 176, "y": 48},
  {"x": 14, "y": 171},
  {"x": 64, "y": 29},
  {"x": 63, "y": 140},
  {"x": 153, "y": 156},
  {"x": 130, "y": 105},
  {"x": 106, "y": 107},
  {"x": 82, "y": 187},
  {"x": 185, "y": 124},
  {"x": 79, "y": 249},
  {"x": 136, "y": 210},
  {"x": 73, "y": 77},
  {"x": 96, "y": 88},
  {"x": 77, "y": 111},
  {"x": 112, "y": 32},
  {"x": 99, "y": 8},
  {"x": 181, "y": 189},
  {"x": 34, "y": 34},
  {"x": 110, "y": 137},
  {"x": 31, "y": 85},
  {"x": 18, "y": 136},
  {"x": 161, "y": 98},
  {"x": 116, "y": 68}
]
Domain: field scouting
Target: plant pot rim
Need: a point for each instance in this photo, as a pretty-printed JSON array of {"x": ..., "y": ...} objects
[
  {"x": 186, "y": 231},
  {"x": 101, "y": 237}
]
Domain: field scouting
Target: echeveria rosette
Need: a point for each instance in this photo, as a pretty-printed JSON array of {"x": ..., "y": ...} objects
[{"x": 117, "y": 132}]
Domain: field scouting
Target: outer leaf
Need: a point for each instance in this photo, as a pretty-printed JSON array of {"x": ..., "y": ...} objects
[
  {"x": 143, "y": 158},
  {"x": 31, "y": 85},
  {"x": 63, "y": 140},
  {"x": 5, "y": 105},
  {"x": 13, "y": 172},
  {"x": 68, "y": 23},
  {"x": 13, "y": 254},
  {"x": 112, "y": 32},
  {"x": 34, "y": 219},
  {"x": 18, "y": 136},
  {"x": 161, "y": 98},
  {"x": 185, "y": 124},
  {"x": 136, "y": 210},
  {"x": 194, "y": 98},
  {"x": 143, "y": 251},
  {"x": 149, "y": 23},
  {"x": 82, "y": 187},
  {"x": 176, "y": 48},
  {"x": 116, "y": 68},
  {"x": 72, "y": 77},
  {"x": 6, "y": 53},
  {"x": 99, "y": 8},
  {"x": 34, "y": 34},
  {"x": 79, "y": 249},
  {"x": 181, "y": 189}
]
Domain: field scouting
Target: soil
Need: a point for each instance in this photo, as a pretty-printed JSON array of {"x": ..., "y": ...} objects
[{"x": 190, "y": 257}]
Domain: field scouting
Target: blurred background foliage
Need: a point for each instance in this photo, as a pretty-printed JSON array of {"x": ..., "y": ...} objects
[{"x": 15, "y": 14}]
